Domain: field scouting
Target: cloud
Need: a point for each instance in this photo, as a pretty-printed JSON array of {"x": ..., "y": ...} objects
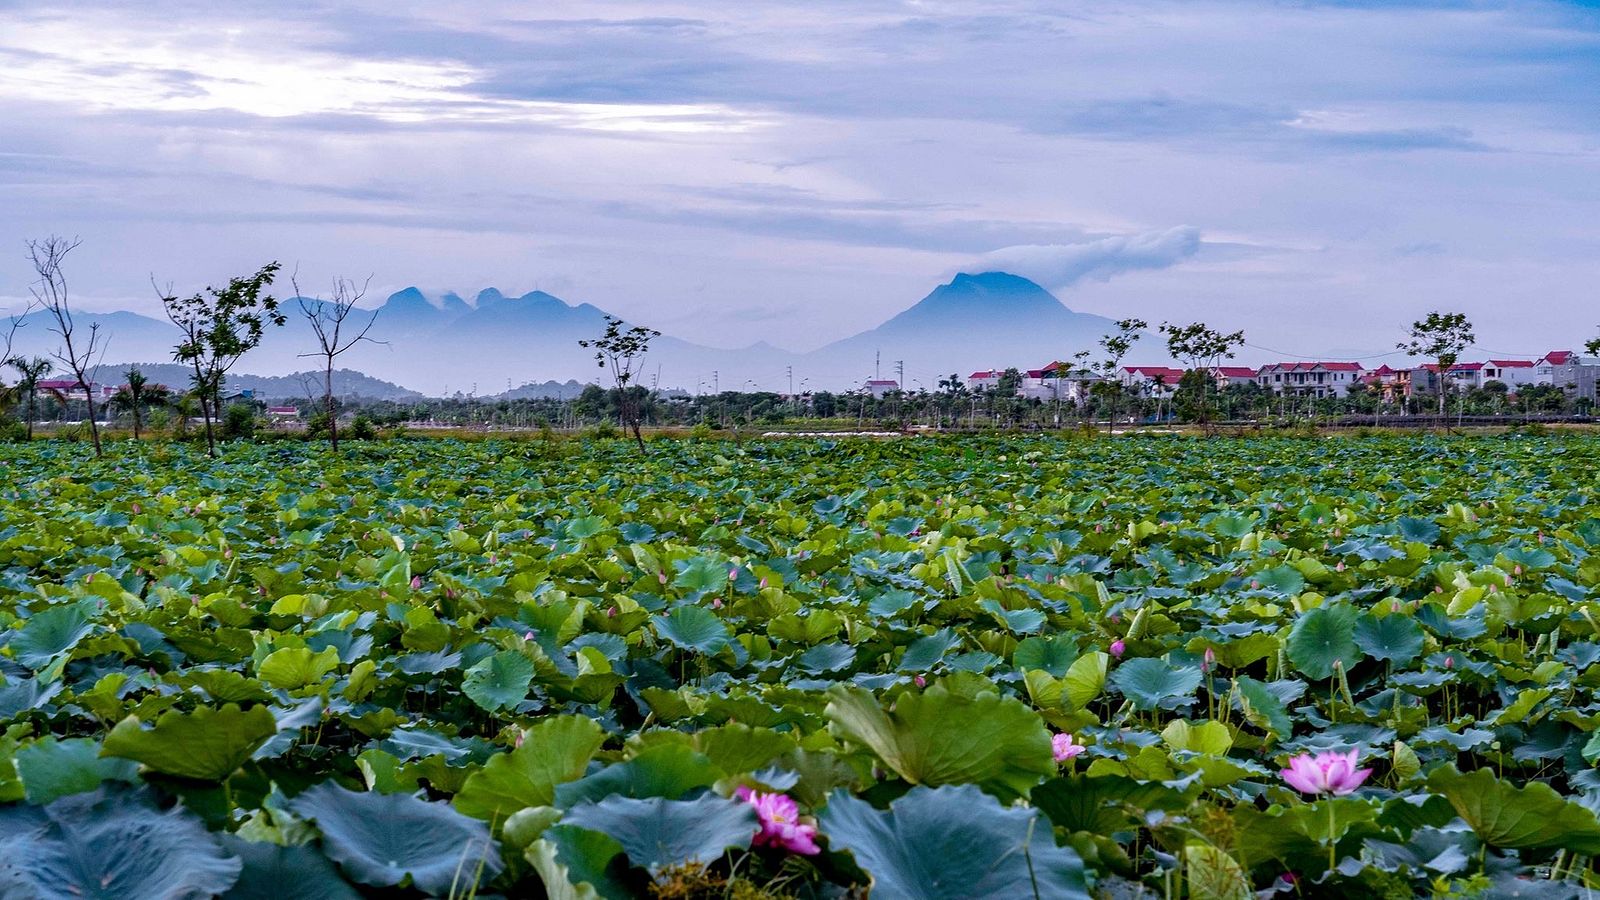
[{"x": 1058, "y": 266}]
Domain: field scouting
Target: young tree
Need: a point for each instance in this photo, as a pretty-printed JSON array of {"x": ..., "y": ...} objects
[
  {"x": 218, "y": 326},
  {"x": 1440, "y": 337},
  {"x": 622, "y": 352},
  {"x": 1116, "y": 347},
  {"x": 1201, "y": 349},
  {"x": 138, "y": 394},
  {"x": 336, "y": 331},
  {"x": 79, "y": 349},
  {"x": 32, "y": 370},
  {"x": 1592, "y": 347}
]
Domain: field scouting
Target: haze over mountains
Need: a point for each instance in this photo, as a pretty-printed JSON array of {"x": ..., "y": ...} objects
[{"x": 444, "y": 344}]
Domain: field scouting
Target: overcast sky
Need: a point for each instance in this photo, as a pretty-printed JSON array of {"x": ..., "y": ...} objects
[{"x": 1315, "y": 173}]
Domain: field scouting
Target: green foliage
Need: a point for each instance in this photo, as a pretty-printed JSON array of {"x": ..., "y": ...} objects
[{"x": 507, "y": 643}]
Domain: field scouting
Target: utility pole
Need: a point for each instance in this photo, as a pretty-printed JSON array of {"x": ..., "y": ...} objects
[
  {"x": 792, "y": 401},
  {"x": 900, "y": 386},
  {"x": 877, "y": 365}
]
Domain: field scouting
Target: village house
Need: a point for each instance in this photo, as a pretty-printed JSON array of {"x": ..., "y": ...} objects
[
  {"x": 1315, "y": 379},
  {"x": 983, "y": 381},
  {"x": 1228, "y": 376},
  {"x": 881, "y": 387},
  {"x": 1151, "y": 381},
  {"x": 74, "y": 390}
]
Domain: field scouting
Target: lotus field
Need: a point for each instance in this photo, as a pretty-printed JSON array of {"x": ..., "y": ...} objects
[{"x": 1024, "y": 667}]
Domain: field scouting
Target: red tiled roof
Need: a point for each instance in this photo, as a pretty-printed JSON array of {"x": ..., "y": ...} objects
[
  {"x": 1308, "y": 366},
  {"x": 1234, "y": 371},
  {"x": 992, "y": 373},
  {"x": 1154, "y": 371},
  {"x": 1558, "y": 357},
  {"x": 1512, "y": 363}
]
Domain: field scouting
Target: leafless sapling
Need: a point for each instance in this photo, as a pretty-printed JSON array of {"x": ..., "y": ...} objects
[
  {"x": 338, "y": 326},
  {"x": 80, "y": 349}
]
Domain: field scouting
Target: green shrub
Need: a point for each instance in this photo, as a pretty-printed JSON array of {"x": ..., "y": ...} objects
[{"x": 239, "y": 422}]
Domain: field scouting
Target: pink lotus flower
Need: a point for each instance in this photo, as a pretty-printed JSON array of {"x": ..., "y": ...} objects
[
  {"x": 1118, "y": 647},
  {"x": 780, "y": 822},
  {"x": 1063, "y": 748},
  {"x": 661, "y": 577},
  {"x": 1326, "y": 773},
  {"x": 919, "y": 681},
  {"x": 416, "y": 582}
]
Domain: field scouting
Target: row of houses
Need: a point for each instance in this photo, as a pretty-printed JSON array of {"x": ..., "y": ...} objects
[{"x": 1562, "y": 368}]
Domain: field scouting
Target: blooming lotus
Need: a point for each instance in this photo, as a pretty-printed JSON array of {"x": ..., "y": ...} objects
[
  {"x": 1063, "y": 747},
  {"x": 1326, "y": 773},
  {"x": 780, "y": 822}
]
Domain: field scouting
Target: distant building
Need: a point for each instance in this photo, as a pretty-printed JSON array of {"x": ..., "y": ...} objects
[
  {"x": 74, "y": 390},
  {"x": 283, "y": 413},
  {"x": 1227, "y": 376},
  {"x": 1151, "y": 380},
  {"x": 1314, "y": 379},
  {"x": 1513, "y": 373},
  {"x": 879, "y": 387},
  {"x": 1578, "y": 375},
  {"x": 983, "y": 381}
]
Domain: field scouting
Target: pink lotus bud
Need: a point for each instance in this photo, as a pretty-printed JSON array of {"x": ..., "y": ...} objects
[
  {"x": 416, "y": 582},
  {"x": 611, "y": 612},
  {"x": 1339, "y": 567},
  {"x": 1116, "y": 618},
  {"x": 716, "y": 602},
  {"x": 1255, "y": 585},
  {"x": 1117, "y": 648},
  {"x": 733, "y": 574},
  {"x": 919, "y": 681},
  {"x": 528, "y": 636},
  {"x": 227, "y": 553},
  {"x": 1438, "y": 589},
  {"x": 661, "y": 577},
  {"x": 1209, "y": 660},
  {"x": 763, "y": 584},
  {"x": 520, "y": 736},
  {"x": 1097, "y": 528},
  {"x": 136, "y": 509},
  {"x": 1449, "y": 662},
  {"x": 493, "y": 558},
  {"x": 1395, "y": 607}
]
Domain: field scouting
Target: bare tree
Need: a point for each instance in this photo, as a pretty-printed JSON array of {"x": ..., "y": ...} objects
[
  {"x": 219, "y": 326},
  {"x": 1440, "y": 337},
  {"x": 622, "y": 352},
  {"x": 79, "y": 349},
  {"x": 329, "y": 319}
]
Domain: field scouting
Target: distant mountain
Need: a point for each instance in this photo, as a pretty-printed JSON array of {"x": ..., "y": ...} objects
[
  {"x": 445, "y": 344},
  {"x": 346, "y": 383},
  {"x": 982, "y": 321},
  {"x": 549, "y": 390}
]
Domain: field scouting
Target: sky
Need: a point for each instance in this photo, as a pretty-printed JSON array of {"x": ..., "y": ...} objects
[{"x": 1317, "y": 174}]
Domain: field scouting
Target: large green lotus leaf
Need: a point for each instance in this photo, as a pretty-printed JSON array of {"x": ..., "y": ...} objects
[
  {"x": 1102, "y": 804},
  {"x": 952, "y": 843},
  {"x": 393, "y": 839},
  {"x": 693, "y": 628},
  {"x": 1213, "y": 874},
  {"x": 1262, "y": 707},
  {"x": 51, "y": 769},
  {"x": 1424, "y": 531},
  {"x": 1530, "y": 817},
  {"x": 937, "y": 737},
  {"x": 499, "y": 681},
  {"x": 272, "y": 872},
  {"x": 554, "y": 751},
  {"x": 1396, "y": 638},
  {"x": 111, "y": 844},
  {"x": 19, "y": 694},
  {"x": 736, "y": 747},
  {"x": 657, "y": 833},
  {"x": 666, "y": 770},
  {"x": 1051, "y": 654},
  {"x": 701, "y": 575},
  {"x": 52, "y": 632},
  {"x": 579, "y": 864},
  {"x": 1322, "y": 637},
  {"x": 296, "y": 667},
  {"x": 205, "y": 745},
  {"x": 1148, "y": 681}
]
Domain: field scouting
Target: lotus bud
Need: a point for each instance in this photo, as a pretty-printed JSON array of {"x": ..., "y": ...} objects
[
  {"x": 919, "y": 681},
  {"x": 1117, "y": 648},
  {"x": 416, "y": 582},
  {"x": 716, "y": 603},
  {"x": 661, "y": 577}
]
